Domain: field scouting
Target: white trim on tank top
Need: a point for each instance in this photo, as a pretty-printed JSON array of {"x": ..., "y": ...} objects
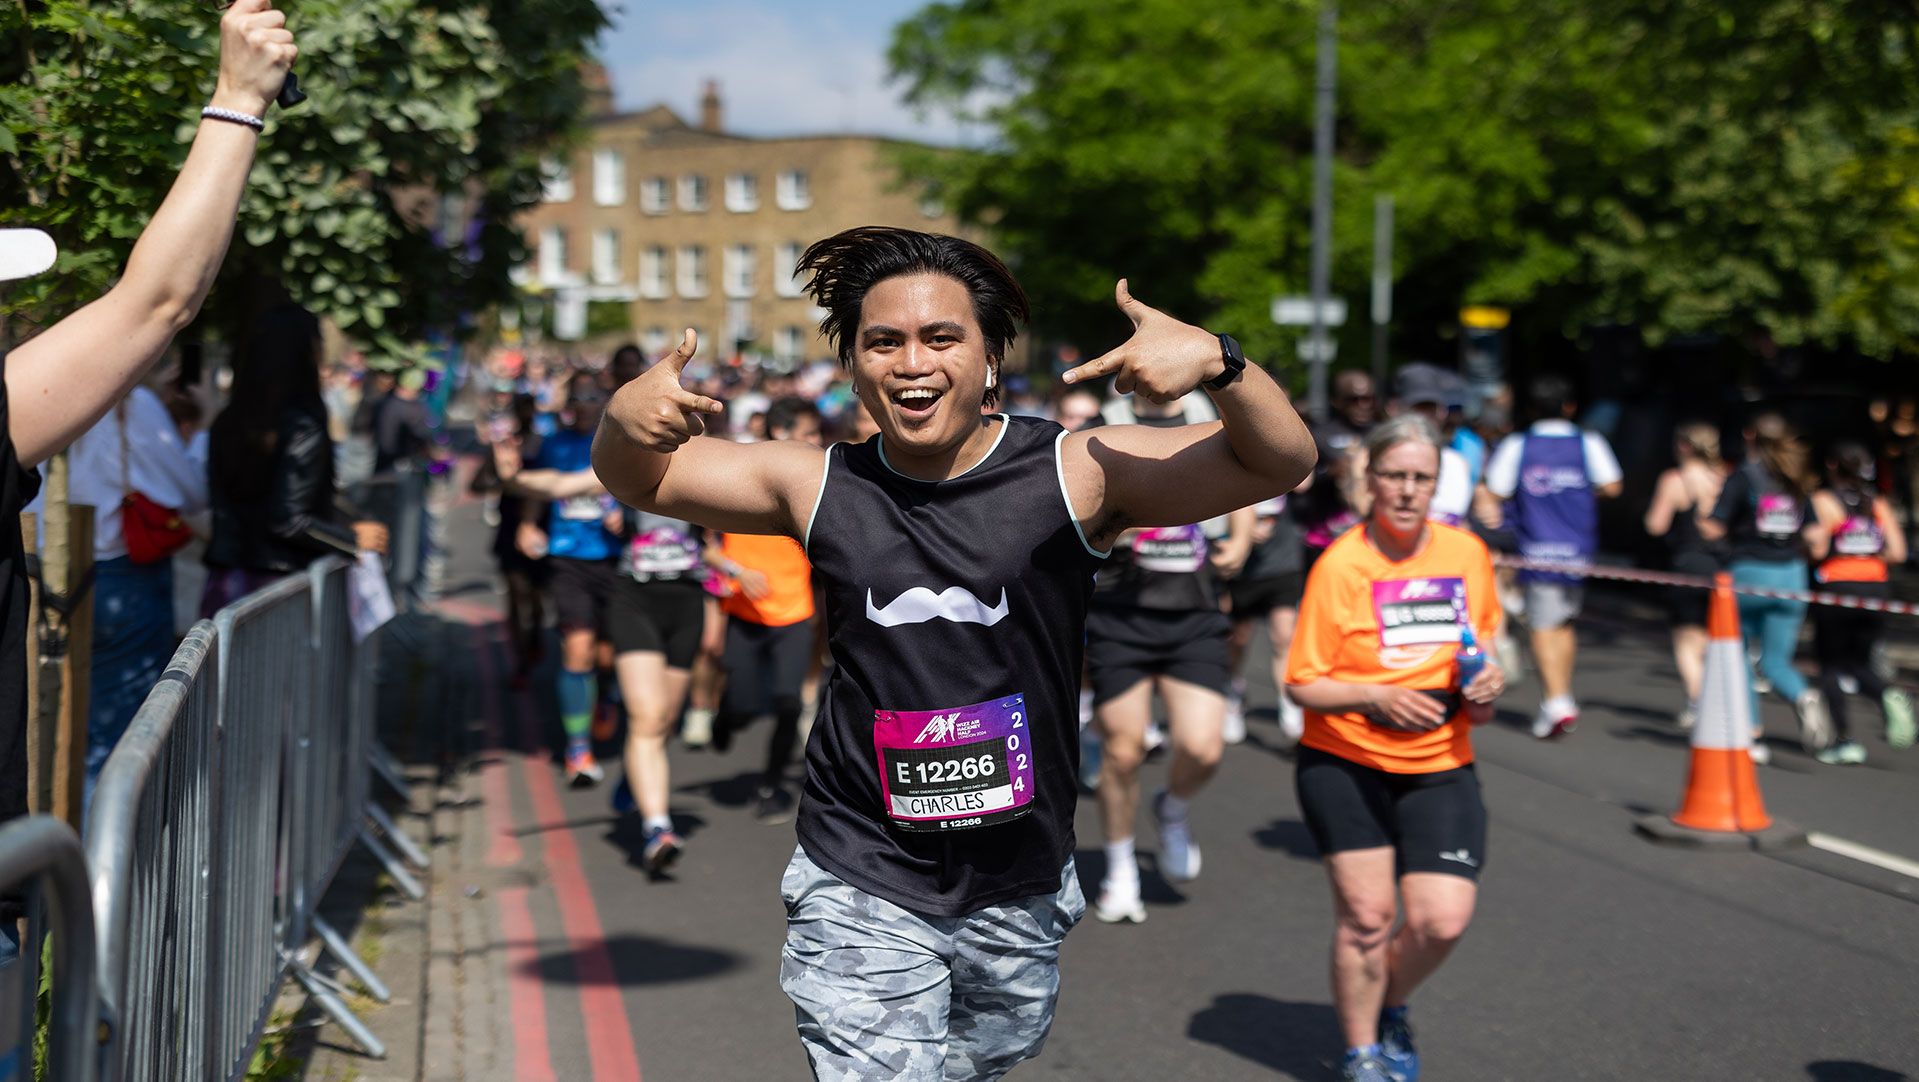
[
  {"x": 1004, "y": 424},
  {"x": 806, "y": 539},
  {"x": 1059, "y": 469}
]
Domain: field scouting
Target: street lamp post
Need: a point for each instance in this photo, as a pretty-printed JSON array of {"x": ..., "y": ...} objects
[{"x": 1324, "y": 85}]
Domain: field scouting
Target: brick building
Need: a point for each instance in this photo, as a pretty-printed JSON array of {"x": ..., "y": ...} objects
[{"x": 690, "y": 226}]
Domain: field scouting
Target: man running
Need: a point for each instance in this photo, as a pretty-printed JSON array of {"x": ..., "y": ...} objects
[
  {"x": 580, "y": 540},
  {"x": 1156, "y": 625},
  {"x": 1553, "y": 476},
  {"x": 934, "y": 879},
  {"x": 769, "y": 628}
]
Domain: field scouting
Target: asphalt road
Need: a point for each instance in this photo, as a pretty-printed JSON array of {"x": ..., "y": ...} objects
[{"x": 1594, "y": 955}]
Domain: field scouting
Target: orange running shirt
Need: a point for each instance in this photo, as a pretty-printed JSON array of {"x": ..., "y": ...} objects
[
  {"x": 789, "y": 577},
  {"x": 1350, "y": 593}
]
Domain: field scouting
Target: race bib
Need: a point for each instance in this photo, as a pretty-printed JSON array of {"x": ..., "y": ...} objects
[
  {"x": 1858, "y": 537},
  {"x": 1417, "y": 616},
  {"x": 952, "y": 769},
  {"x": 582, "y": 509},
  {"x": 1778, "y": 515},
  {"x": 662, "y": 551},
  {"x": 1173, "y": 550}
]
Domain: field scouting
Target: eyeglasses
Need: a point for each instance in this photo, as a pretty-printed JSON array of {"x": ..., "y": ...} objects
[{"x": 1401, "y": 479}]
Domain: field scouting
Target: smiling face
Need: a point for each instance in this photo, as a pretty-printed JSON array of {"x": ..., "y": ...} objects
[
  {"x": 920, "y": 367},
  {"x": 1402, "y": 480}
]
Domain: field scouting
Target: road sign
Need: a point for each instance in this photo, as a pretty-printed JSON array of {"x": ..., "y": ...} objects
[
  {"x": 1298, "y": 312},
  {"x": 1311, "y": 355}
]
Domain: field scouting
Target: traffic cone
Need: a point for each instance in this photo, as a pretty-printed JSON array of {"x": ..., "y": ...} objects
[{"x": 1722, "y": 805}]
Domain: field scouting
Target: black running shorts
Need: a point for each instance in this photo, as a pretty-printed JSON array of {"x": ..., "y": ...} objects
[
  {"x": 765, "y": 665},
  {"x": 1127, "y": 645},
  {"x": 1257, "y": 597},
  {"x": 657, "y": 618},
  {"x": 581, "y": 590},
  {"x": 1434, "y": 822}
]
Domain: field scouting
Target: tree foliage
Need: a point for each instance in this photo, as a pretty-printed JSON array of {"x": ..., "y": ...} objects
[
  {"x": 1746, "y": 169},
  {"x": 384, "y": 201}
]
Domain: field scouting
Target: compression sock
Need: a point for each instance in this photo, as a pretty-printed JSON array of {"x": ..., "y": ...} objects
[
  {"x": 1121, "y": 867},
  {"x": 577, "y": 697}
]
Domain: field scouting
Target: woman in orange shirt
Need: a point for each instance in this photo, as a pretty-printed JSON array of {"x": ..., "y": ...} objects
[{"x": 1385, "y": 777}]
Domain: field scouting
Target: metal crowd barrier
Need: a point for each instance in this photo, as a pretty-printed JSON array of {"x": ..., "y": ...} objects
[
  {"x": 220, "y": 821},
  {"x": 42, "y": 855}
]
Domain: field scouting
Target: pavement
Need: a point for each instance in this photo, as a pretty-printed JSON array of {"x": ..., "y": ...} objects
[{"x": 544, "y": 952}]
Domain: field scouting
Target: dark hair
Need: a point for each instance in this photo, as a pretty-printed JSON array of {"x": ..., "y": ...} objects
[
  {"x": 276, "y": 374},
  {"x": 1551, "y": 395},
  {"x": 1852, "y": 471},
  {"x": 846, "y": 265},
  {"x": 786, "y": 412},
  {"x": 1777, "y": 447}
]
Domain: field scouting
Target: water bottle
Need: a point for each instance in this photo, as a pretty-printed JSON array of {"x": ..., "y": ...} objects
[{"x": 1469, "y": 659}]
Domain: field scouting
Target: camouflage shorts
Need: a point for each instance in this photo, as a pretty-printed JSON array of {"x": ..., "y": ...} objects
[{"x": 884, "y": 992}]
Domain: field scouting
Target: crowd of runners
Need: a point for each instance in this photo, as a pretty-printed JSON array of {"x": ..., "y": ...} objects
[{"x": 858, "y": 549}]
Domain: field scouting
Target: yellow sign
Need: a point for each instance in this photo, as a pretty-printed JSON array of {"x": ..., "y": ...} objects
[{"x": 1484, "y": 318}]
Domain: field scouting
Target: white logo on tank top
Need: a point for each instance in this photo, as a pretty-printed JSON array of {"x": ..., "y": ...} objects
[{"x": 919, "y": 604}]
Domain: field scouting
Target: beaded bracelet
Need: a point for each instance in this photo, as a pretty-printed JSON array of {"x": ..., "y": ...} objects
[{"x": 232, "y": 116}]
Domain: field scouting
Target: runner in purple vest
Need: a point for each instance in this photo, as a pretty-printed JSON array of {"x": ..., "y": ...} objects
[{"x": 1552, "y": 477}]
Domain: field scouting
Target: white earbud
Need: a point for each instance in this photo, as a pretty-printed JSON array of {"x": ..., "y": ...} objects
[{"x": 992, "y": 377}]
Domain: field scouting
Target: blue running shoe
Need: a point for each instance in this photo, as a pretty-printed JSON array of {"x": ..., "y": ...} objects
[
  {"x": 623, "y": 801},
  {"x": 661, "y": 850},
  {"x": 1396, "y": 1044},
  {"x": 1364, "y": 1065}
]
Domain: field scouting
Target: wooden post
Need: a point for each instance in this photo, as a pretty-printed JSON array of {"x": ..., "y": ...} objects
[{"x": 57, "y": 739}]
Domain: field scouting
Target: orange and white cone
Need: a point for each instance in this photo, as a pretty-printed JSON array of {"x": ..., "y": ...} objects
[{"x": 1722, "y": 803}]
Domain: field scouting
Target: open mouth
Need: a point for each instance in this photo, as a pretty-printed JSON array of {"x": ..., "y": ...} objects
[{"x": 917, "y": 401}]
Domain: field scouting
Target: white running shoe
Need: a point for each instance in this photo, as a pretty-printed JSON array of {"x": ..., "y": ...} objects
[
  {"x": 1118, "y": 903},
  {"x": 1085, "y": 707},
  {"x": 1815, "y": 725},
  {"x": 1178, "y": 856},
  {"x": 1292, "y": 720},
  {"x": 1233, "y": 729},
  {"x": 697, "y": 730},
  {"x": 1688, "y": 718},
  {"x": 1155, "y": 737},
  {"x": 1761, "y": 754}
]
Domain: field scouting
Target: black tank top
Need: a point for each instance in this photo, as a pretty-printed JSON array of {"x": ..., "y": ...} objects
[{"x": 956, "y": 614}]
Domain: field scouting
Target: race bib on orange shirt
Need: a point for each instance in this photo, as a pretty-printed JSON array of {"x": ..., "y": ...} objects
[{"x": 1417, "y": 617}]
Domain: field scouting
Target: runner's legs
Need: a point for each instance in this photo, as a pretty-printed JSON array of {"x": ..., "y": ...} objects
[
  {"x": 653, "y": 694},
  {"x": 1438, "y": 909},
  {"x": 1363, "y": 911},
  {"x": 1195, "y": 715},
  {"x": 1122, "y": 722}
]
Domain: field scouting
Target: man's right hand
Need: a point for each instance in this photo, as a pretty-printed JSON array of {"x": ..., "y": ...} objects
[
  {"x": 256, "y": 52},
  {"x": 657, "y": 413}
]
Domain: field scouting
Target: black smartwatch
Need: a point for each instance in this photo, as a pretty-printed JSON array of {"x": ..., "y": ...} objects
[{"x": 1229, "y": 352}]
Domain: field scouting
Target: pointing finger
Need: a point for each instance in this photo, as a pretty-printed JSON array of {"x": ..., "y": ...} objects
[
  {"x": 1093, "y": 369},
  {"x": 699, "y": 403}
]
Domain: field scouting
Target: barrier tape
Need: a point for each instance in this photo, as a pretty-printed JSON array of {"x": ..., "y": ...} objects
[{"x": 1701, "y": 582}]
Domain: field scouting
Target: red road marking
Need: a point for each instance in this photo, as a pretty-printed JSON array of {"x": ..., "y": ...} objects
[
  {"x": 503, "y": 848},
  {"x": 532, "y": 1058},
  {"x": 609, "y": 1035}
]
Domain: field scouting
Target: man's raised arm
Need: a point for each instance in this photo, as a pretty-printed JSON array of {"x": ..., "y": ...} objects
[
  {"x": 651, "y": 453},
  {"x": 1131, "y": 475},
  {"x": 68, "y": 376}
]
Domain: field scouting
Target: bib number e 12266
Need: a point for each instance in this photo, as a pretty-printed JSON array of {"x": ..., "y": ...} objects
[{"x": 955, "y": 768}]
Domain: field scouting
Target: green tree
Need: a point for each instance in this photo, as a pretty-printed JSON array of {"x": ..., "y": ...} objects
[
  {"x": 419, "y": 119},
  {"x": 1682, "y": 167}
]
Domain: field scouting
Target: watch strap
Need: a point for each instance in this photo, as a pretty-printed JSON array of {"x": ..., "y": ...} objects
[{"x": 1233, "y": 358}]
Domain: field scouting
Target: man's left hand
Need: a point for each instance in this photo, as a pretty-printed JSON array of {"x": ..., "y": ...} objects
[{"x": 1164, "y": 359}]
